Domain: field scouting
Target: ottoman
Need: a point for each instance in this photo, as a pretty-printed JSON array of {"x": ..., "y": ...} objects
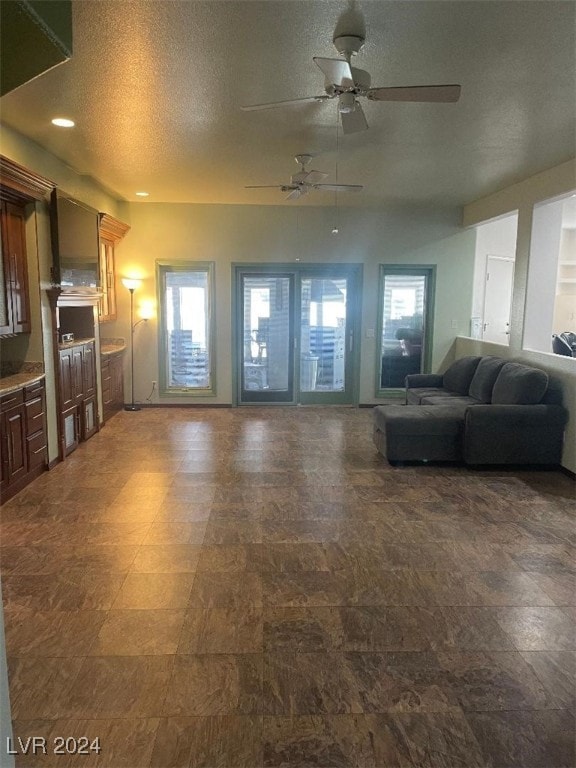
[{"x": 419, "y": 432}]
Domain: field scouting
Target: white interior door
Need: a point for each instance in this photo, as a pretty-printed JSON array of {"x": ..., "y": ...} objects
[{"x": 497, "y": 299}]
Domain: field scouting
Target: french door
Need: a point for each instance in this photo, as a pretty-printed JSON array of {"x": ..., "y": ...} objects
[{"x": 295, "y": 334}]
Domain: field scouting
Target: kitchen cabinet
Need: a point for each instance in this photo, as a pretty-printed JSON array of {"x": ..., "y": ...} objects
[
  {"x": 78, "y": 409},
  {"x": 14, "y": 296},
  {"x": 111, "y": 231},
  {"x": 23, "y": 443},
  {"x": 112, "y": 368}
]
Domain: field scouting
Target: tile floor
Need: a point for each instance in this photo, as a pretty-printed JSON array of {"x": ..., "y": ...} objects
[{"x": 240, "y": 588}]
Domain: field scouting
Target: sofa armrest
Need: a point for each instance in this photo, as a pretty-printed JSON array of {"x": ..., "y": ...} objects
[
  {"x": 429, "y": 380},
  {"x": 514, "y": 434}
]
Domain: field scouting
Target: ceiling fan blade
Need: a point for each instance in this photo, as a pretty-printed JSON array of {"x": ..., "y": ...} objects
[
  {"x": 336, "y": 71},
  {"x": 295, "y": 194},
  {"x": 439, "y": 93},
  {"x": 263, "y": 186},
  {"x": 355, "y": 121},
  {"x": 339, "y": 187},
  {"x": 316, "y": 176},
  {"x": 288, "y": 103}
]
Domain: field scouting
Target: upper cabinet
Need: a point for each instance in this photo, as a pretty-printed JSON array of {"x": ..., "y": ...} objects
[
  {"x": 14, "y": 298},
  {"x": 19, "y": 188},
  {"x": 111, "y": 232}
]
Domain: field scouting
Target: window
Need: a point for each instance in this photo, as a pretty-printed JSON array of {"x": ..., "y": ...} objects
[
  {"x": 550, "y": 321},
  {"x": 186, "y": 337}
]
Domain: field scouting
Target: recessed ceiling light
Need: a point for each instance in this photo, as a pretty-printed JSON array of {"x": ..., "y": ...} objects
[
  {"x": 63, "y": 122},
  {"x": 142, "y": 194}
]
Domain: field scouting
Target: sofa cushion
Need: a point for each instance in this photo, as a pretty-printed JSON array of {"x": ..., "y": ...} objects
[
  {"x": 417, "y": 433},
  {"x": 464, "y": 400},
  {"x": 459, "y": 375},
  {"x": 485, "y": 377},
  {"x": 519, "y": 385},
  {"x": 414, "y": 396}
]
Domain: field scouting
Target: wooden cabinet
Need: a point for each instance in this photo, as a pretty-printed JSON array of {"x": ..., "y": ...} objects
[
  {"x": 78, "y": 409},
  {"x": 112, "y": 368},
  {"x": 14, "y": 298},
  {"x": 111, "y": 232},
  {"x": 23, "y": 443},
  {"x": 36, "y": 437}
]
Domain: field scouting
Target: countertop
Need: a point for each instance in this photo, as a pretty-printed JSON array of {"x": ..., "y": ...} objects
[
  {"x": 110, "y": 349},
  {"x": 75, "y": 343},
  {"x": 17, "y": 381}
]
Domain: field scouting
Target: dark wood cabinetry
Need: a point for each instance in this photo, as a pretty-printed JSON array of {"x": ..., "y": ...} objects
[
  {"x": 78, "y": 412},
  {"x": 14, "y": 298},
  {"x": 111, "y": 232},
  {"x": 112, "y": 367},
  {"x": 23, "y": 444}
]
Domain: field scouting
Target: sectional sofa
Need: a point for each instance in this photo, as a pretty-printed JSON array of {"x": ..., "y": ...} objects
[{"x": 482, "y": 410}]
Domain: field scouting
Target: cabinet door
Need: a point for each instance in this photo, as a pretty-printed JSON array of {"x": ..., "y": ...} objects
[
  {"x": 117, "y": 374},
  {"x": 66, "y": 379},
  {"x": 5, "y": 279},
  {"x": 15, "y": 243},
  {"x": 15, "y": 427},
  {"x": 78, "y": 374},
  {"x": 70, "y": 429},
  {"x": 88, "y": 420},
  {"x": 107, "y": 303},
  {"x": 89, "y": 370}
]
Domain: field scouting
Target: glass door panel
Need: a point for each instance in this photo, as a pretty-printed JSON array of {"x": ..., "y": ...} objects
[
  {"x": 323, "y": 334},
  {"x": 404, "y": 307},
  {"x": 267, "y": 371}
]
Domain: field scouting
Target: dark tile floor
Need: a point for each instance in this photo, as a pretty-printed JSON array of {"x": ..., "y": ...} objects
[{"x": 257, "y": 587}]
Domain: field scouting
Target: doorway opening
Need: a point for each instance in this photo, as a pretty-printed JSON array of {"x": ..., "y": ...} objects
[{"x": 494, "y": 279}]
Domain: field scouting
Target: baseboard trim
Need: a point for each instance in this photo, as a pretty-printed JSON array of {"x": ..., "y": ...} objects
[{"x": 184, "y": 405}]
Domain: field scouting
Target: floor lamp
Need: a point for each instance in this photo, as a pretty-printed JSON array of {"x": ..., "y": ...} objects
[{"x": 131, "y": 284}]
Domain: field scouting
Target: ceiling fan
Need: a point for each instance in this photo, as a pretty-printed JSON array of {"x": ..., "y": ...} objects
[
  {"x": 302, "y": 182},
  {"x": 346, "y": 83}
]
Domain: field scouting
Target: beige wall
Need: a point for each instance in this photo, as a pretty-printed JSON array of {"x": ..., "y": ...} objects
[
  {"x": 252, "y": 234},
  {"x": 522, "y": 197}
]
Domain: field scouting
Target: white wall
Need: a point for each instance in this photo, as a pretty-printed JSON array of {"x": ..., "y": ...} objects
[
  {"x": 542, "y": 274},
  {"x": 522, "y": 197},
  {"x": 281, "y": 234}
]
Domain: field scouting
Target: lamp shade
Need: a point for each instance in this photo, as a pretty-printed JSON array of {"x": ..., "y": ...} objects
[{"x": 131, "y": 283}]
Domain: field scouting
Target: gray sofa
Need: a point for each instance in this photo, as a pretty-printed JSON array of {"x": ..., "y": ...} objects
[{"x": 482, "y": 410}]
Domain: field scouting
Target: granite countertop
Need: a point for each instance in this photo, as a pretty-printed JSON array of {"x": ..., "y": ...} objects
[
  {"x": 109, "y": 349},
  {"x": 17, "y": 381},
  {"x": 75, "y": 343}
]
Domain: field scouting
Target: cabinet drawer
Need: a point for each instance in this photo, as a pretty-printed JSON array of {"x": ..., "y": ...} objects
[
  {"x": 34, "y": 415},
  {"x": 9, "y": 401},
  {"x": 33, "y": 390},
  {"x": 36, "y": 449}
]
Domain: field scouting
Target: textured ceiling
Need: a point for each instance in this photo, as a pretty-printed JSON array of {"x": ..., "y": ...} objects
[{"x": 156, "y": 87}]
